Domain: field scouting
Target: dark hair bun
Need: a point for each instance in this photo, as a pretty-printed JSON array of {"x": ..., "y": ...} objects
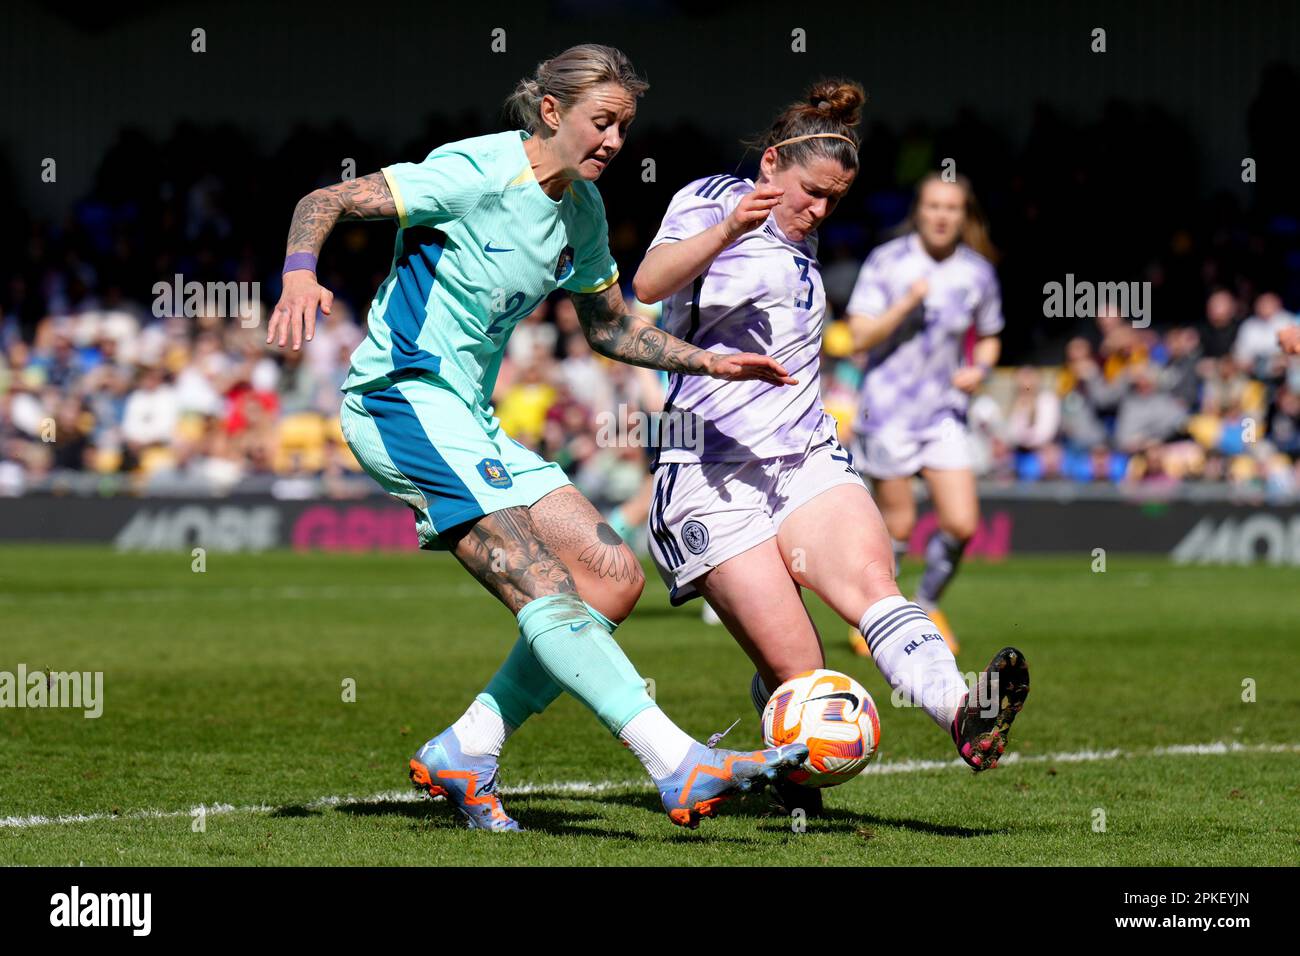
[{"x": 839, "y": 100}]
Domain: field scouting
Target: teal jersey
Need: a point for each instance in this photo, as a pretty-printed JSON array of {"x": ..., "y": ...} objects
[{"x": 480, "y": 246}]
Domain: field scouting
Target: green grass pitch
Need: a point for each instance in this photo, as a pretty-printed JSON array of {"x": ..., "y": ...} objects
[{"x": 224, "y": 689}]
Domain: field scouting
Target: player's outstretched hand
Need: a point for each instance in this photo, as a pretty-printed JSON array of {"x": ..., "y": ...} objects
[
  {"x": 295, "y": 313},
  {"x": 1289, "y": 339},
  {"x": 752, "y": 211},
  {"x": 746, "y": 366}
]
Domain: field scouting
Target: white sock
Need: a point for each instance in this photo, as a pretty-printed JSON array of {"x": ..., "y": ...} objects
[
  {"x": 481, "y": 731},
  {"x": 658, "y": 743},
  {"x": 913, "y": 657}
]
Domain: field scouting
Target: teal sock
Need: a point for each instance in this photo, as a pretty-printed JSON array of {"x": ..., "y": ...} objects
[
  {"x": 578, "y": 652},
  {"x": 521, "y": 687},
  {"x": 601, "y": 619}
]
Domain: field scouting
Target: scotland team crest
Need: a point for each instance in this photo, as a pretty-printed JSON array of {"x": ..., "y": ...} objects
[
  {"x": 695, "y": 536},
  {"x": 564, "y": 267},
  {"x": 494, "y": 473}
]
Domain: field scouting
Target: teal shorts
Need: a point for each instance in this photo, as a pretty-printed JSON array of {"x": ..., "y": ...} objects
[{"x": 428, "y": 449}]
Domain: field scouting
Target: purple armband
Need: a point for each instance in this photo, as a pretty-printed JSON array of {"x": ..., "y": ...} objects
[{"x": 299, "y": 260}]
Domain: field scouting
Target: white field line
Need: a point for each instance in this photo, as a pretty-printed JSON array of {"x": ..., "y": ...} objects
[{"x": 587, "y": 787}]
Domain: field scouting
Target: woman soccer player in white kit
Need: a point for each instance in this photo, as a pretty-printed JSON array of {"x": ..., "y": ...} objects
[
  {"x": 916, "y": 300},
  {"x": 754, "y": 496}
]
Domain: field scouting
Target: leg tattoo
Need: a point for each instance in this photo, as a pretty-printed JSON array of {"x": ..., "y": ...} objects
[
  {"x": 573, "y": 525},
  {"x": 505, "y": 553}
]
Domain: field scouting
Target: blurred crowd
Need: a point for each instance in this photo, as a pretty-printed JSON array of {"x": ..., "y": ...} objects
[
  {"x": 202, "y": 405},
  {"x": 99, "y": 393},
  {"x": 1211, "y": 402}
]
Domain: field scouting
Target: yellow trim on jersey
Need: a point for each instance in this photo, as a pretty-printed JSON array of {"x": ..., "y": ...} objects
[
  {"x": 600, "y": 287},
  {"x": 524, "y": 176},
  {"x": 397, "y": 198}
]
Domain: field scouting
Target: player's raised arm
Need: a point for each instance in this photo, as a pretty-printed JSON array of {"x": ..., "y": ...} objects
[
  {"x": 672, "y": 265},
  {"x": 614, "y": 333},
  {"x": 315, "y": 215},
  {"x": 870, "y": 330}
]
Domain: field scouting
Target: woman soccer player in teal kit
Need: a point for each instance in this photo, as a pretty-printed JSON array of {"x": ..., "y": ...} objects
[{"x": 489, "y": 227}]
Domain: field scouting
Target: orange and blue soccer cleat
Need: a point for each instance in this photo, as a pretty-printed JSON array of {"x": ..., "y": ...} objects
[
  {"x": 707, "y": 778},
  {"x": 441, "y": 769},
  {"x": 982, "y": 727}
]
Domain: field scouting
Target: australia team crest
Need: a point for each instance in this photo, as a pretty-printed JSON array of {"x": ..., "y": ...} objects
[
  {"x": 564, "y": 267},
  {"x": 494, "y": 473}
]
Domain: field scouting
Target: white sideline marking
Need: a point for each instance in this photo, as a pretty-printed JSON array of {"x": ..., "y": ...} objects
[
  {"x": 587, "y": 787},
  {"x": 1217, "y": 748},
  {"x": 571, "y": 788}
]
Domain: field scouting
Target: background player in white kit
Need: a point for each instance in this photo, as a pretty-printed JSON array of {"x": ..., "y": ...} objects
[
  {"x": 915, "y": 301},
  {"x": 767, "y": 501}
]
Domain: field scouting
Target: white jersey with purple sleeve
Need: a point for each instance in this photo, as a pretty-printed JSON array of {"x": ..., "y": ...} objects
[
  {"x": 908, "y": 385},
  {"x": 763, "y": 294}
]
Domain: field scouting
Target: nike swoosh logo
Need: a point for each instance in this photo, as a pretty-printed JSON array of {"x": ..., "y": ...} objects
[
  {"x": 851, "y": 698},
  {"x": 487, "y": 247},
  {"x": 578, "y": 627}
]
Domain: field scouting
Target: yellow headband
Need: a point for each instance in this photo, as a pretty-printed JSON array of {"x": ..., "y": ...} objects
[{"x": 796, "y": 139}]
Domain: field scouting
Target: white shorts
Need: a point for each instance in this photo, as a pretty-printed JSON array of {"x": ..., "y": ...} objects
[
  {"x": 704, "y": 514},
  {"x": 901, "y": 453}
]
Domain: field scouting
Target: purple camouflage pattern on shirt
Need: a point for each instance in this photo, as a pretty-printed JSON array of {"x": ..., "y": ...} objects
[
  {"x": 908, "y": 384},
  {"x": 763, "y": 294}
]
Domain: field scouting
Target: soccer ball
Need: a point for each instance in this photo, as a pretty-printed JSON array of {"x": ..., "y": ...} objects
[{"x": 834, "y": 716}]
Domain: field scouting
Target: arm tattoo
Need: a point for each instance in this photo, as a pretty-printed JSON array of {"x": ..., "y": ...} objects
[
  {"x": 316, "y": 213},
  {"x": 617, "y": 335}
]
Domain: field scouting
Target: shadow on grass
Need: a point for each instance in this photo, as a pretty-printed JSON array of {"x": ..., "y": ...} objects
[
  {"x": 533, "y": 815},
  {"x": 426, "y": 815},
  {"x": 567, "y": 823},
  {"x": 442, "y": 815},
  {"x": 648, "y": 802},
  {"x": 760, "y": 807},
  {"x": 561, "y": 822},
  {"x": 416, "y": 809},
  {"x": 848, "y": 821}
]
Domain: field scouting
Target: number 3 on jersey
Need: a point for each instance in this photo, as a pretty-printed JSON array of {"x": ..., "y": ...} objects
[{"x": 803, "y": 277}]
